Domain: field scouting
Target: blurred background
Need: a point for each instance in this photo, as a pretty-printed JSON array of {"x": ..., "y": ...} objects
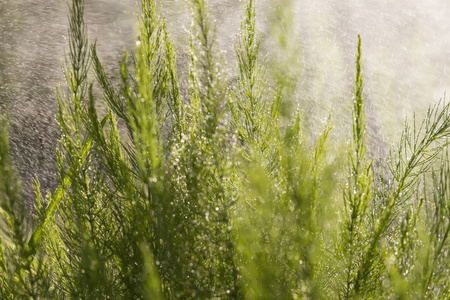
[{"x": 310, "y": 45}]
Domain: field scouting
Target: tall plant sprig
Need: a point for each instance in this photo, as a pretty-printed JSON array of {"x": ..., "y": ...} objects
[
  {"x": 23, "y": 273},
  {"x": 144, "y": 93},
  {"x": 207, "y": 84},
  {"x": 155, "y": 50},
  {"x": 254, "y": 120},
  {"x": 432, "y": 257},
  {"x": 358, "y": 190},
  {"x": 71, "y": 112},
  {"x": 176, "y": 103},
  {"x": 146, "y": 102},
  {"x": 141, "y": 102},
  {"x": 84, "y": 269}
]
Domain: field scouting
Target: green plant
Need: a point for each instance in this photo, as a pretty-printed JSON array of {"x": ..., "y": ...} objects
[{"x": 204, "y": 188}]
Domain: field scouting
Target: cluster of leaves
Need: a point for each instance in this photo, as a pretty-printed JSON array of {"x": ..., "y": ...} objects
[{"x": 204, "y": 193}]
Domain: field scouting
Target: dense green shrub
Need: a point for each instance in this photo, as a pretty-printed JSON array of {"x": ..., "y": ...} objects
[{"x": 199, "y": 189}]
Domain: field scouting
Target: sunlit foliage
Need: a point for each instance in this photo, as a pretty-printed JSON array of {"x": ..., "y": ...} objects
[{"x": 201, "y": 187}]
